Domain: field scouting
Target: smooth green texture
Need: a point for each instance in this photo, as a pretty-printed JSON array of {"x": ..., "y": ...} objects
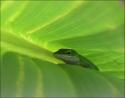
[
  {"x": 24, "y": 47},
  {"x": 24, "y": 76},
  {"x": 31, "y": 31},
  {"x": 107, "y": 46}
]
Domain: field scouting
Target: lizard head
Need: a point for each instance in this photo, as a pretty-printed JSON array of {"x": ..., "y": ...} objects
[{"x": 69, "y": 56}]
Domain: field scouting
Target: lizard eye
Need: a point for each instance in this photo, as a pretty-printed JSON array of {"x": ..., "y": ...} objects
[{"x": 68, "y": 52}]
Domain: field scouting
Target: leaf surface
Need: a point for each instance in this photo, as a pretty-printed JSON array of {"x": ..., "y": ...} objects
[{"x": 32, "y": 30}]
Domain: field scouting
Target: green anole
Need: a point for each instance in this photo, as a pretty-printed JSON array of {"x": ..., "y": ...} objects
[{"x": 70, "y": 56}]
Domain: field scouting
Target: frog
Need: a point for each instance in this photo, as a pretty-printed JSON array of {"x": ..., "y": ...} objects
[{"x": 71, "y": 57}]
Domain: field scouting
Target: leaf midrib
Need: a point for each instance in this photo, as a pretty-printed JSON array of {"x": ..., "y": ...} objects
[{"x": 25, "y": 47}]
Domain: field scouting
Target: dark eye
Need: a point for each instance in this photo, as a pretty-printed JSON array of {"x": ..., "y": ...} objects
[{"x": 68, "y": 52}]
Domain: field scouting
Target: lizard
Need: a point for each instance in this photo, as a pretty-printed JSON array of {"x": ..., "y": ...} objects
[{"x": 70, "y": 56}]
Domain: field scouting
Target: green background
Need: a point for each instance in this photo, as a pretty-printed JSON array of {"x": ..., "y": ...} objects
[{"x": 32, "y": 30}]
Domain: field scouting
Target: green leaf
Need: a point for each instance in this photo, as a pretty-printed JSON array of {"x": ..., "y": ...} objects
[
  {"x": 32, "y": 30},
  {"x": 17, "y": 44},
  {"x": 24, "y": 76},
  {"x": 100, "y": 49}
]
